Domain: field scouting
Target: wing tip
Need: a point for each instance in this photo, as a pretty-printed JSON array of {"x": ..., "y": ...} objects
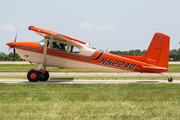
[{"x": 30, "y": 27}]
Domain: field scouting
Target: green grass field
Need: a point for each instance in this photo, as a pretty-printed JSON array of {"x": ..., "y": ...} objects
[
  {"x": 27, "y": 67},
  {"x": 89, "y": 101}
]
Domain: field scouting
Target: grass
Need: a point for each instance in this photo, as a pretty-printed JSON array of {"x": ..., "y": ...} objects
[
  {"x": 174, "y": 68},
  {"x": 27, "y": 67},
  {"x": 89, "y": 101},
  {"x": 94, "y": 78}
]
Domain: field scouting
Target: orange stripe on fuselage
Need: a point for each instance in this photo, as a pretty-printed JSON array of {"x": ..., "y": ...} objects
[
  {"x": 34, "y": 46},
  {"x": 98, "y": 58}
]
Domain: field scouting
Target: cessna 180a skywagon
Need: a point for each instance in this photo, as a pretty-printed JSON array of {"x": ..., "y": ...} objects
[{"x": 61, "y": 51}]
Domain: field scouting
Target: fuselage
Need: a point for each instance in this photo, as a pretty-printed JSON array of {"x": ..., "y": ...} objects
[{"x": 86, "y": 58}]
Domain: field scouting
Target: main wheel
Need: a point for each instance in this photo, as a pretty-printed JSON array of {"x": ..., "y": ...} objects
[
  {"x": 33, "y": 76},
  {"x": 44, "y": 76},
  {"x": 170, "y": 79}
]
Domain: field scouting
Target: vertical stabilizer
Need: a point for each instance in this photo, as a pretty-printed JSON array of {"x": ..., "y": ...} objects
[{"x": 158, "y": 51}]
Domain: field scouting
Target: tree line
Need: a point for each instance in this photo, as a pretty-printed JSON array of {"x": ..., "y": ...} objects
[
  {"x": 174, "y": 55},
  {"x": 10, "y": 57}
]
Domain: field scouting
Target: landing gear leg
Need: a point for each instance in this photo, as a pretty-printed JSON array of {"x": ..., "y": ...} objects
[{"x": 170, "y": 79}]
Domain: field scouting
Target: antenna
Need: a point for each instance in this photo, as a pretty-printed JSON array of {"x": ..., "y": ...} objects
[
  {"x": 95, "y": 43},
  {"x": 74, "y": 32},
  {"x": 107, "y": 50}
]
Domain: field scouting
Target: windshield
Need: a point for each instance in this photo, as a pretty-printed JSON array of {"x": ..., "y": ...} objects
[{"x": 41, "y": 43}]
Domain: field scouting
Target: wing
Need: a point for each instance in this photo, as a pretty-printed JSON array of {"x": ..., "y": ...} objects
[{"x": 56, "y": 36}]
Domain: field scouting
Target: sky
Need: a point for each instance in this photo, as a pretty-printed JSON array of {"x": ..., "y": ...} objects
[{"x": 105, "y": 24}]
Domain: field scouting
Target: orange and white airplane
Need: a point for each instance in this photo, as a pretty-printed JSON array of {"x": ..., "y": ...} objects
[{"x": 61, "y": 51}]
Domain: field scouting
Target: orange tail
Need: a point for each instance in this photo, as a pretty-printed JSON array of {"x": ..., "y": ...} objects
[{"x": 158, "y": 51}]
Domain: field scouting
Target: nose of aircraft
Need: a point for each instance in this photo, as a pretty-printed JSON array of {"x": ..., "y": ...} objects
[{"x": 11, "y": 44}]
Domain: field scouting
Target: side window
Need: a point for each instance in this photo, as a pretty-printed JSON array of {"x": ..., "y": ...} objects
[
  {"x": 74, "y": 49},
  {"x": 59, "y": 46},
  {"x": 41, "y": 43}
]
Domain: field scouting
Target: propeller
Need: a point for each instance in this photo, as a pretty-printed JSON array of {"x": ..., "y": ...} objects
[{"x": 12, "y": 46}]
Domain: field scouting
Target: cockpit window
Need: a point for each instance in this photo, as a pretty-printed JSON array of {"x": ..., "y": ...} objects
[
  {"x": 59, "y": 46},
  {"x": 41, "y": 43}
]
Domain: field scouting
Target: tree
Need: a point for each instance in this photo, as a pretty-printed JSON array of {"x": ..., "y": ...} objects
[
  {"x": 130, "y": 52},
  {"x": 2, "y": 56}
]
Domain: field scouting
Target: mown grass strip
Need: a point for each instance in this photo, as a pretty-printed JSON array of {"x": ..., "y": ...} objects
[
  {"x": 94, "y": 78},
  {"x": 27, "y": 67},
  {"x": 89, "y": 101}
]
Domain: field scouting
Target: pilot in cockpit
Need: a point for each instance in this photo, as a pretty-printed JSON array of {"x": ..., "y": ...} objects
[
  {"x": 62, "y": 46},
  {"x": 55, "y": 45}
]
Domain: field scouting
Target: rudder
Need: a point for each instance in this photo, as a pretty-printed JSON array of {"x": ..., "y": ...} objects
[{"x": 158, "y": 51}]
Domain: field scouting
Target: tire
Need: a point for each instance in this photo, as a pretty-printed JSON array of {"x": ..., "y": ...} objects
[
  {"x": 170, "y": 79},
  {"x": 33, "y": 76},
  {"x": 43, "y": 76}
]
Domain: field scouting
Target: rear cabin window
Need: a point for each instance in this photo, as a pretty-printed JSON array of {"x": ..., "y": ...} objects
[{"x": 74, "y": 49}]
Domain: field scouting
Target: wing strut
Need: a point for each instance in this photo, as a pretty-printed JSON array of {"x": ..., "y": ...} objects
[
  {"x": 44, "y": 55},
  {"x": 45, "y": 52}
]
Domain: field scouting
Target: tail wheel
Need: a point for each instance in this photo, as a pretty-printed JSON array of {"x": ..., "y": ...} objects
[
  {"x": 44, "y": 76},
  {"x": 170, "y": 79},
  {"x": 33, "y": 76}
]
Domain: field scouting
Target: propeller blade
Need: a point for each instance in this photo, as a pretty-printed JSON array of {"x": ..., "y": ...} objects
[
  {"x": 16, "y": 34},
  {"x": 14, "y": 52},
  {"x": 15, "y": 38}
]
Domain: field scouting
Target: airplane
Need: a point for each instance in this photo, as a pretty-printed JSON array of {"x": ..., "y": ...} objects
[{"x": 61, "y": 51}]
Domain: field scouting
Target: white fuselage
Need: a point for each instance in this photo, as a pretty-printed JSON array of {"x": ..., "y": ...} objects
[{"x": 56, "y": 61}]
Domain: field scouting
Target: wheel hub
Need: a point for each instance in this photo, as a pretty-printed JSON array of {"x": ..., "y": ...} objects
[
  {"x": 33, "y": 75},
  {"x": 42, "y": 75}
]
